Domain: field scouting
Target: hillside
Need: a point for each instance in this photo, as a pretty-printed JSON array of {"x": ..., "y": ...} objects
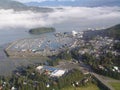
[
  {"x": 17, "y": 6},
  {"x": 114, "y": 31},
  {"x": 8, "y": 4}
]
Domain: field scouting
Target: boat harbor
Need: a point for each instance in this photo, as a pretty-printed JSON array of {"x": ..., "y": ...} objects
[{"x": 42, "y": 46}]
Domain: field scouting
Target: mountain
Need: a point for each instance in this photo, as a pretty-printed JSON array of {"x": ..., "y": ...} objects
[
  {"x": 52, "y": 3},
  {"x": 114, "y": 31},
  {"x": 8, "y": 4},
  {"x": 86, "y": 3},
  {"x": 17, "y": 6}
]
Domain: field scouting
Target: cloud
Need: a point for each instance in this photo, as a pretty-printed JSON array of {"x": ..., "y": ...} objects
[{"x": 82, "y": 16}]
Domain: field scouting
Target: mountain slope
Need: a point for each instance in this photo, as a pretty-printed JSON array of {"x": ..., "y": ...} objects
[
  {"x": 114, "y": 31},
  {"x": 17, "y": 6},
  {"x": 7, "y": 4}
]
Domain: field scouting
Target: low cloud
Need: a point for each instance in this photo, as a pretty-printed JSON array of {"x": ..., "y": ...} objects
[{"x": 76, "y": 15}]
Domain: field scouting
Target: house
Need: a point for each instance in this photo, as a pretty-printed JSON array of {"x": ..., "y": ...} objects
[
  {"x": 13, "y": 88},
  {"x": 116, "y": 68},
  {"x": 39, "y": 68}
]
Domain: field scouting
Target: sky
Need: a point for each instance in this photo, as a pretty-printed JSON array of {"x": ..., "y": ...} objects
[
  {"x": 67, "y": 0},
  {"x": 90, "y": 3},
  {"x": 43, "y": 0}
]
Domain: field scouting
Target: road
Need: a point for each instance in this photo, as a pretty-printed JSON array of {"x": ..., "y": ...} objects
[
  {"x": 84, "y": 68},
  {"x": 99, "y": 77},
  {"x": 102, "y": 81}
]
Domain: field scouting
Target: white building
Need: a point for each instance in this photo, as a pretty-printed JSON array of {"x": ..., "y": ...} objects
[
  {"x": 74, "y": 33},
  {"x": 39, "y": 68},
  {"x": 13, "y": 88},
  {"x": 53, "y": 72},
  {"x": 57, "y": 73}
]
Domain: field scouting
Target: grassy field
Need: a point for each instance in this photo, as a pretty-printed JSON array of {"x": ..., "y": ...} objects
[
  {"x": 90, "y": 87},
  {"x": 115, "y": 85}
]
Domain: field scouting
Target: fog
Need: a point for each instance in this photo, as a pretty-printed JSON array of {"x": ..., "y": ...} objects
[{"x": 82, "y": 16}]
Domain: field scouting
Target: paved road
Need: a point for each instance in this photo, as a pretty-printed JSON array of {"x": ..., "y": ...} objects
[
  {"x": 99, "y": 77},
  {"x": 81, "y": 66},
  {"x": 102, "y": 81}
]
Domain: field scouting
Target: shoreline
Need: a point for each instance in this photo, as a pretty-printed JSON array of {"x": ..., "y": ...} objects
[{"x": 8, "y": 65}]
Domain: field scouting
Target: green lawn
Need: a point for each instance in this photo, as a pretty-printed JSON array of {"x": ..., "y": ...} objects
[
  {"x": 115, "y": 85},
  {"x": 90, "y": 87}
]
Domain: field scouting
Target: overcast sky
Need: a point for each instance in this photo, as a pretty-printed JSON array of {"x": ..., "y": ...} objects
[
  {"x": 42, "y": 0},
  {"x": 67, "y": 0}
]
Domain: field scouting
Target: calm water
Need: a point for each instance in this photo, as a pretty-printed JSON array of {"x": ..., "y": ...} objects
[
  {"x": 7, "y": 36},
  {"x": 7, "y": 65},
  {"x": 10, "y": 35}
]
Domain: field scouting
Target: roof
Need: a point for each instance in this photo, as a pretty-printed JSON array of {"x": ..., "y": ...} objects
[
  {"x": 58, "y": 73},
  {"x": 39, "y": 67}
]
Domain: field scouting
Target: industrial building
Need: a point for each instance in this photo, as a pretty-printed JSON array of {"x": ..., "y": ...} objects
[{"x": 51, "y": 71}]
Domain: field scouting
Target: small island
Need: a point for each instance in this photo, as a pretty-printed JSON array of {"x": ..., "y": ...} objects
[{"x": 41, "y": 30}]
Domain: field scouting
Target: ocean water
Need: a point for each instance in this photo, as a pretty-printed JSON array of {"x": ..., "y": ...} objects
[
  {"x": 10, "y": 35},
  {"x": 8, "y": 65}
]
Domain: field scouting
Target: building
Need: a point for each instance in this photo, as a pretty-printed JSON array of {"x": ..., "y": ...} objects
[
  {"x": 57, "y": 73},
  {"x": 51, "y": 71},
  {"x": 74, "y": 33}
]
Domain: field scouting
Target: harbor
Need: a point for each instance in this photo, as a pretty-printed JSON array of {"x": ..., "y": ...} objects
[{"x": 43, "y": 46}]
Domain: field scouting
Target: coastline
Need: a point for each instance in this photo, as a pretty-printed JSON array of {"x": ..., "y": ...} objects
[{"x": 8, "y": 65}]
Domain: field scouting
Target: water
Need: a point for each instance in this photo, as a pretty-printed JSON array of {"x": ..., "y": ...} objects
[
  {"x": 7, "y": 65},
  {"x": 10, "y": 35}
]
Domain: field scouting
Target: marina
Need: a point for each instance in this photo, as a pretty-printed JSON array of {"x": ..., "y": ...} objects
[{"x": 42, "y": 46}]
